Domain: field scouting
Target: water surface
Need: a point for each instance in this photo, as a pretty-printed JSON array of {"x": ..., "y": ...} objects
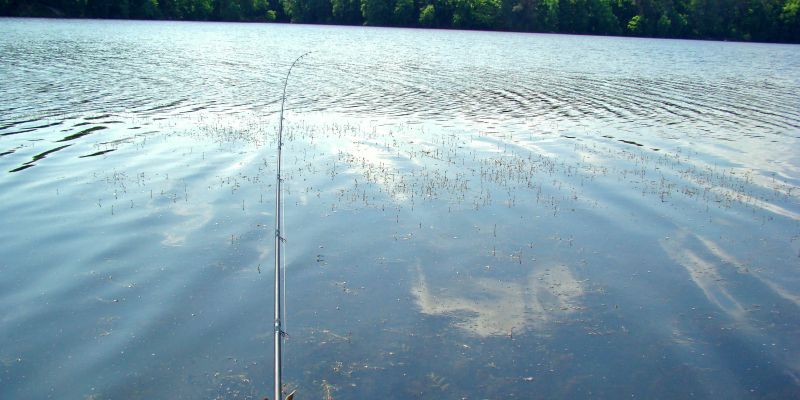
[{"x": 468, "y": 214}]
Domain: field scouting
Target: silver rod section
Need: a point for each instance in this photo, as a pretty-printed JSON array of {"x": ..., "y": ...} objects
[
  {"x": 278, "y": 330},
  {"x": 278, "y": 239}
]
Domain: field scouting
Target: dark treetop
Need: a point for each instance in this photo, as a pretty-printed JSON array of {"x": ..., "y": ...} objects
[{"x": 746, "y": 20}]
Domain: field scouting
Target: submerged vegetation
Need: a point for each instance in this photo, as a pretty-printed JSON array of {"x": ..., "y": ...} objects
[
  {"x": 746, "y": 20},
  {"x": 554, "y": 219}
]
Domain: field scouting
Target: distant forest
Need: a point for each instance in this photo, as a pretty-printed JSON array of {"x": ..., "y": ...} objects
[{"x": 744, "y": 20}]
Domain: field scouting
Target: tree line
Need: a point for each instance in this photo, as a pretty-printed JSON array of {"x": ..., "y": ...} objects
[{"x": 745, "y": 20}]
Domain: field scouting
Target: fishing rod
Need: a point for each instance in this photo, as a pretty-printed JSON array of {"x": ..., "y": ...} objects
[{"x": 279, "y": 333}]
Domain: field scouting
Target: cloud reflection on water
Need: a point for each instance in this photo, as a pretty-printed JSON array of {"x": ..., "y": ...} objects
[
  {"x": 493, "y": 307},
  {"x": 195, "y": 216},
  {"x": 707, "y": 264}
]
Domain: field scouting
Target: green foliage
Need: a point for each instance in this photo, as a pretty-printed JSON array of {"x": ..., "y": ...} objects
[
  {"x": 602, "y": 20},
  {"x": 625, "y": 10},
  {"x": 67, "y": 8},
  {"x": 171, "y": 8},
  {"x": 404, "y": 13},
  {"x": 308, "y": 11},
  {"x": 548, "y": 15},
  {"x": 198, "y": 9},
  {"x": 427, "y": 16},
  {"x": 145, "y": 9},
  {"x": 572, "y": 16},
  {"x": 485, "y": 13},
  {"x": 476, "y": 14},
  {"x": 705, "y": 18},
  {"x": 790, "y": 11},
  {"x": 346, "y": 12},
  {"x": 229, "y": 10},
  {"x": 679, "y": 25},
  {"x": 762, "y": 20},
  {"x": 264, "y": 12},
  {"x": 664, "y": 26},
  {"x": 107, "y": 8},
  {"x": 523, "y": 14},
  {"x": 377, "y": 12},
  {"x": 790, "y": 17},
  {"x": 636, "y": 25}
]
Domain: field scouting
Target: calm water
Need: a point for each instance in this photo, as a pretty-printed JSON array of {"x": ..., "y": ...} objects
[{"x": 468, "y": 215}]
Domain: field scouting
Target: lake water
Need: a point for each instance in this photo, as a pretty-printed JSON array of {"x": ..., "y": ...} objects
[{"x": 469, "y": 215}]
